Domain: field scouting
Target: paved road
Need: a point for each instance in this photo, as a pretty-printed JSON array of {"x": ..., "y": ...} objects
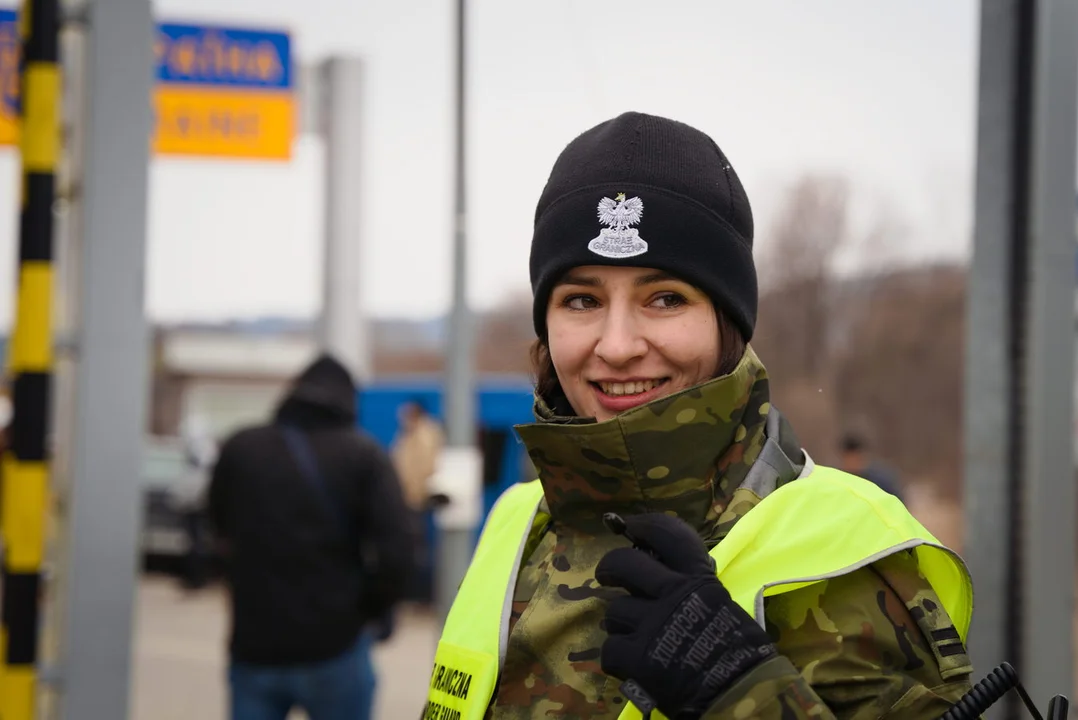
[{"x": 179, "y": 671}]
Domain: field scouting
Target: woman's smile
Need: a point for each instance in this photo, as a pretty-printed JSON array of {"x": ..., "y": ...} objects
[{"x": 617, "y": 396}]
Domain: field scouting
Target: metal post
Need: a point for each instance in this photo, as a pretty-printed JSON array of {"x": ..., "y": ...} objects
[
  {"x": 460, "y": 403},
  {"x": 1048, "y": 471},
  {"x": 68, "y": 190},
  {"x": 111, "y": 372},
  {"x": 1019, "y": 485},
  {"x": 459, "y": 472},
  {"x": 25, "y": 473},
  {"x": 343, "y": 330},
  {"x": 990, "y": 418}
]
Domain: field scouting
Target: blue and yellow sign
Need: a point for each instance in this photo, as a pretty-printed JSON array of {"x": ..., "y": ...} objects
[
  {"x": 223, "y": 92},
  {"x": 10, "y": 51},
  {"x": 219, "y": 92}
]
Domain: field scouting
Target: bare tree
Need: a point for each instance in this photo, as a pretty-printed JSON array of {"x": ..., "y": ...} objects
[
  {"x": 902, "y": 372},
  {"x": 795, "y": 323},
  {"x": 797, "y": 268},
  {"x": 505, "y": 334},
  {"x": 810, "y": 228}
]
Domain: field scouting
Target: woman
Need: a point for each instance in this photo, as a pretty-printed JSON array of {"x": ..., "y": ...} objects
[{"x": 593, "y": 593}]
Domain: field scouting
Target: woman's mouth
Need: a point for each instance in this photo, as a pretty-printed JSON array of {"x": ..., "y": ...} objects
[{"x": 618, "y": 397}]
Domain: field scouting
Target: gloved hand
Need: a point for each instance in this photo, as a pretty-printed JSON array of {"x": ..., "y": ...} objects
[{"x": 677, "y": 639}]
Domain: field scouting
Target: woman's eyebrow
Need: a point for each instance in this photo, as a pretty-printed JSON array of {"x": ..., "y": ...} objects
[
  {"x": 652, "y": 278},
  {"x": 585, "y": 280}
]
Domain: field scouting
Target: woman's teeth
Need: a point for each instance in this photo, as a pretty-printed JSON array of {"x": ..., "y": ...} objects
[{"x": 628, "y": 388}]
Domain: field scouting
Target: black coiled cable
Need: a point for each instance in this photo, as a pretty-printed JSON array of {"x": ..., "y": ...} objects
[
  {"x": 970, "y": 706},
  {"x": 987, "y": 692}
]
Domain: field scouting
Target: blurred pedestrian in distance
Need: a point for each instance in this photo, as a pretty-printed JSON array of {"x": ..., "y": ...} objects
[
  {"x": 857, "y": 460},
  {"x": 200, "y": 453},
  {"x": 318, "y": 549},
  {"x": 415, "y": 452}
]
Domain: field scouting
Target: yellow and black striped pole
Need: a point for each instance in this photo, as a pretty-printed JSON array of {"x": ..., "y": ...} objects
[{"x": 24, "y": 477}]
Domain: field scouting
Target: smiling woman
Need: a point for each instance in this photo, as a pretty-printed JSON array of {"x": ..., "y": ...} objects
[
  {"x": 672, "y": 497},
  {"x": 620, "y": 337}
]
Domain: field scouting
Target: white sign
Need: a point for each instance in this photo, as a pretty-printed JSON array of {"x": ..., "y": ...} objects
[{"x": 459, "y": 475}]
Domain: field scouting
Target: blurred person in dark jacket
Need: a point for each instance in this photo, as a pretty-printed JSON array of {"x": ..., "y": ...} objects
[
  {"x": 857, "y": 460},
  {"x": 318, "y": 550}
]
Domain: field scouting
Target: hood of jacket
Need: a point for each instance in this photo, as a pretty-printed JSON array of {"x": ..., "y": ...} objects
[{"x": 324, "y": 394}]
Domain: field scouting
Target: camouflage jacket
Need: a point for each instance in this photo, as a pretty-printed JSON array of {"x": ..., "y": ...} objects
[{"x": 874, "y": 643}]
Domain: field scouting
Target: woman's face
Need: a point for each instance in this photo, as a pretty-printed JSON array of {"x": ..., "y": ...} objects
[{"x": 620, "y": 337}]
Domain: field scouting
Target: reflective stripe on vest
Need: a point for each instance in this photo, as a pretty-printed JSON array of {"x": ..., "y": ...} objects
[{"x": 821, "y": 526}]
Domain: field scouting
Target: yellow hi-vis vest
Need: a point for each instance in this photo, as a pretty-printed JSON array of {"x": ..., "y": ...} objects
[{"x": 823, "y": 525}]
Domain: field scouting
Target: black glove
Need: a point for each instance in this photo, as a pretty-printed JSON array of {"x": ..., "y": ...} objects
[{"x": 678, "y": 639}]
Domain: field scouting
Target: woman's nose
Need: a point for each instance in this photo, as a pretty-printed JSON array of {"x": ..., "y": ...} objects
[{"x": 621, "y": 340}]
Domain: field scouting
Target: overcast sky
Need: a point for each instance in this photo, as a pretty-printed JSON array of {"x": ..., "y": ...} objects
[{"x": 880, "y": 92}]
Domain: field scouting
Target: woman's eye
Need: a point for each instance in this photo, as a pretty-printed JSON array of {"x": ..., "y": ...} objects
[
  {"x": 669, "y": 300},
  {"x": 580, "y": 302}
]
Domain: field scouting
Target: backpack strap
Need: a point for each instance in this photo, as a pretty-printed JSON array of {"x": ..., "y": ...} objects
[{"x": 303, "y": 454}]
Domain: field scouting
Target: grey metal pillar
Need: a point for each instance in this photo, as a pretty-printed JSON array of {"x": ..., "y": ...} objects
[
  {"x": 460, "y": 403},
  {"x": 459, "y": 476},
  {"x": 111, "y": 363},
  {"x": 1050, "y": 501},
  {"x": 1020, "y": 476},
  {"x": 69, "y": 190},
  {"x": 343, "y": 329},
  {"x": 989, "y": 414}
]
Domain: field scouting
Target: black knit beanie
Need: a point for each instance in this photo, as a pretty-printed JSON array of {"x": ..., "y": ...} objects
[{"x": 644, "y": 191}]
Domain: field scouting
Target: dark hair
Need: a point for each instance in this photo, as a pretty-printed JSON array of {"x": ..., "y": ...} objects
[
  {"x": 852, "y": 442},
  {"x": 548, "y": 387},
  {"x": 418, "y": 403}
]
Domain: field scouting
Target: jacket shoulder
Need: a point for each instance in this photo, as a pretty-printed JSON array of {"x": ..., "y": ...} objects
[
  {"x": 364, "y": 441},
  {"x": 877, "y": 640},
  {"x": 250, "y": 436}
]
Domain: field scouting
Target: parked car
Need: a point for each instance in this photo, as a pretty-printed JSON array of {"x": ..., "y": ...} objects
[{"x": 174, "y": 479}]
